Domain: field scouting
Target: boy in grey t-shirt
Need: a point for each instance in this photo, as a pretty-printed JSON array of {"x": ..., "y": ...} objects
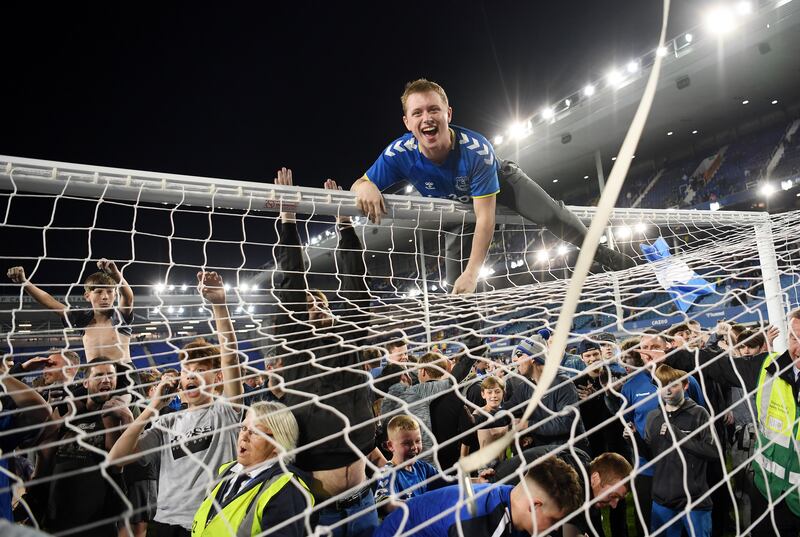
[{"x": 191, "y": 444}]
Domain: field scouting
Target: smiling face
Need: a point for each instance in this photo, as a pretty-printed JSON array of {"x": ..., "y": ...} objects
[
  {"x": 493, "y": 397},
  {"x": 255, "y": 443},
  {"x": 428, "y": 117},
  {"x": 404, "y": 444}
]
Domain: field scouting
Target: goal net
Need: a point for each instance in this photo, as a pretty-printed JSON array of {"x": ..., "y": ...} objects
[{"x": 702, "y": 280}]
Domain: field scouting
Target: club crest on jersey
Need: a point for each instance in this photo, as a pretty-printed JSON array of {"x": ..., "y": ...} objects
[
  {"x": 429, "y": 185},
  {"x": 462, "y": 184}
]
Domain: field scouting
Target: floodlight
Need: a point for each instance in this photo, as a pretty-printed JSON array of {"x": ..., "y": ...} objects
[
  {"x": 714, "y": 206},
  {"x": 159, "y": 287},
  {"x": 786, "y": 185},
  {"x": 498, "y": 140},
  {"x": 632, "y": 66},
  {"x": 670, "y": 133},
  {"x": 184, "y": 287},
  {"x": 200, "y": 309},
  {"x": 744, "y": 8},
  {"x": 555, "y": 180},
  {"x": 774, "y": 101},
  {"x": 170, "y": 310},
  {"x": 519, "y": 130},
  {"x": 694, "y": 131},
  {"x": 623, "y": 232},
  {"x": 254, "y": 287},
  {"x": 547, "y": 113},
  {"x": 239, "y": 309},
  {"x": 171, "y": 288},
  {"x": 585, "y": 176},
  {"x": 227, "y": 287},
  {"x": 661, "y": 52},
  {"x": 588, "y": 90},
  {"x": 156, "y": 311},
  {"x": 483, "y": 272},
  {"x": 414, "y": 292},
  {"x": 180, "y": 310},
  {"x": 409, "y": 189},
  {"x": 767, "y": 190},
  {"x": 562, "y": 249},
  {"x": 746, "y": 101},
  {"x": 542, "y": 256},
  {"x": 720, "y": 20},
  {"x": 434, "y": 288},
  {"x": 251, "y": 309},
  {"x": 614, "y": 77},
  {"x": 603, "y": 239},
  {"x": 688, "y": 38},
  {"x": 244, "y": 287},
  {"x": 640, "y": 227}
]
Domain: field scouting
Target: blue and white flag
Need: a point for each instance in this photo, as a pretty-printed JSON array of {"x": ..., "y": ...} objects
[{"x": 683, "y": 284}]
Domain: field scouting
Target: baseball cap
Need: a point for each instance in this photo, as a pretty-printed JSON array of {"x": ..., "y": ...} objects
[
  {"x": 586, "y": 346},
  {"x": 605, "y": 337}
]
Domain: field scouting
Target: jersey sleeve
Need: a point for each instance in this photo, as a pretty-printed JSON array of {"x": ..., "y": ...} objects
[
  {"x": 386, "y": 170},
  {"x": 484, "y": 181}
]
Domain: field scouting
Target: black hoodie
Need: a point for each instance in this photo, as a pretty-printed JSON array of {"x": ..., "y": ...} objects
[{"x": 670, "y": 471}]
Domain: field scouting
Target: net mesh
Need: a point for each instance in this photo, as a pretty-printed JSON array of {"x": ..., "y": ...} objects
[{"x": 748, "y": 263}]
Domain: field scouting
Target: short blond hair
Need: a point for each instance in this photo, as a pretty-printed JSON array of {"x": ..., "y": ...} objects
[
  {"x": 402, "y": 422},
  {"x": 422, "y": 85},
  {"x": 279, "y": 419}
]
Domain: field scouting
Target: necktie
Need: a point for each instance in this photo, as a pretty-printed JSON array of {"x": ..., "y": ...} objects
[{"x": 234, "y": 486}]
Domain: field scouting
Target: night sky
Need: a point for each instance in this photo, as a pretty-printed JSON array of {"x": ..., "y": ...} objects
[{"x": 236, "y": 92}]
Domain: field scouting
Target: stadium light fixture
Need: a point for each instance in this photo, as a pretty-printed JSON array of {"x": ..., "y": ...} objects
[
  {"x": 720, "y": 20},
  {"x": 498, "y": 139},
  {"x": 414, "y": 292},
  {"x": 409, "y": 189},
  {"x": 661, "y": 52},
  {"x": 180, "y": 310},
  {"x": 746, "y": 101},
  {"x": 239, "y": 309},
  {"x": 520, "y": 130},
  {"x": 159, "y": 287},
  {"x": 688, "y": 38},
  {"x": 767, "y": 190},
  {"x": 562, "y": 249},
  {"x": 615, "y": 78},
  {"x": 555, "y": 180},
  {"x": 171, "y": 288},
  {"x": 548, "y": 113},
  {"x": 640, "y": 227},
  {"x": 200, "y": 309},
  {"x": 774, "y": 101},
  {"x": 623, "y": 232},
  {"x": 155, "y": 311},
  {"x": 542, "y": 256},
  {"x": 744, "y": 8},
  {"x": 170, "y": 310},
  {"x": 244, "y": 288},
  {"x": 434, "y": 288},
  {"x": 694, "y": 131},
  {"x": 251, "y": 309},
  {"x": 603, "y": 239},
  {"x": 184, "y": 287},
  {"x": 632, "y": 66},
  {"x": 714, "y": 206},
  {"x": 567, "y": 103},
  {"x": 588, "y": 91},
  {"x": 786, "y": 185},
  {"x": 227, "y": 287},
  {"x": 670, "y": 133},
  {"x": 585, "y": 176},
  {"x": 613, "y": 159}
]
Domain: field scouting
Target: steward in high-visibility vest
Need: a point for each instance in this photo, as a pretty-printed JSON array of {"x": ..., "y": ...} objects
[
  {"x": 267, "y": 500},
  {"x": 777, "y": 456}
]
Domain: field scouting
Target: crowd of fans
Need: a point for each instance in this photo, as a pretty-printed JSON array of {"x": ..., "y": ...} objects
[{"x": 664, "y": 430}]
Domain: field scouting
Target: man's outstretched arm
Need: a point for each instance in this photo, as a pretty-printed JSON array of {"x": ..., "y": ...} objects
[{"x": 484, "y": 230}]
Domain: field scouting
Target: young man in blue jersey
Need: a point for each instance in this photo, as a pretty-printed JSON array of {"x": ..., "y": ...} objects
[
  {"x": 447, "y": 161},
  {"x": 550, "y": 491}
]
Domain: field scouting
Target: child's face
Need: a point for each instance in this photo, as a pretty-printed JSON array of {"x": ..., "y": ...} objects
[
  {"x": 197, "y": 382},
  {"x": 101, "y": 298},
  {"x": 674, "y": 394},
  {"x": 405, "y": 445},
  {"x": 493, "y": 397}
]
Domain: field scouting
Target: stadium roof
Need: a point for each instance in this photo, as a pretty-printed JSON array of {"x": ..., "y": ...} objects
[{"x": 756, "y": 62}]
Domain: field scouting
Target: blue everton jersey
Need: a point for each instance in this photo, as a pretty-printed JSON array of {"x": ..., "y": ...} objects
[
  {"x": 492, "y": 517},
  {"x": 470, "y": 170}
]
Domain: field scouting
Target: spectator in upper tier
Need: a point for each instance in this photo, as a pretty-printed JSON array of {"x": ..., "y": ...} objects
[
  {"x": 189, "y": 442},
  {"x": 682, "y": 433},
  {"x": 402, "y": 479},
  {"x": 260, "y": 491},
  {"x": 550, "y": 491}
]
